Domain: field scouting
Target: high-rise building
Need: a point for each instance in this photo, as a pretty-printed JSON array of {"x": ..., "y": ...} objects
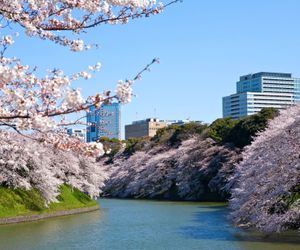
[
  {"x": 104, "y": 122},
  {"x": 261, "y": 90}
]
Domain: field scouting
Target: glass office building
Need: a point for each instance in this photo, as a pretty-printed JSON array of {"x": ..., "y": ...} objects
[
  {"x": 261, "y": 90},
  {"x": 104, "y": 122}
]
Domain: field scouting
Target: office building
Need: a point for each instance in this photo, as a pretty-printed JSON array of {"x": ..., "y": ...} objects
[
  {"x": 261, "y": 90},
  {"x": 104, "y": 122},
  {"x": 144, "y": 128},
  {"x": 180, "y": 122},
  {"x": 79, "y": 133},
  {"x": 149, "y": 127}
]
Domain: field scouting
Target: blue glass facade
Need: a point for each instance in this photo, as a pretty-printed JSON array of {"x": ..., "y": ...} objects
[
  {"x": 261, "y": 90},
  {"x": 104, "y": 122}
]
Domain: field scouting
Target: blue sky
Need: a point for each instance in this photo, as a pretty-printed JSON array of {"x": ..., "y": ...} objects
[{"x": 204, "y": 46}]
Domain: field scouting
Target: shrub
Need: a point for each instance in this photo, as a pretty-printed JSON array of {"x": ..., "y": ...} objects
[
  {"x": 244, "y": 130},
  {"x": 220, "y": 128},
  {"x": 135, "y": 144},
  {"x": 175, "y": 134}
]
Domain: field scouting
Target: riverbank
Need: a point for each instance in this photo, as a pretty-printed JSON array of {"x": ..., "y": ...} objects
[
  {"x": 18, "y": 205},
  {"x": 30, "y": 218}
]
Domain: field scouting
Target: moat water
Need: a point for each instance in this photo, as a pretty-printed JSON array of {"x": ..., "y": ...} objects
[{"x": 127, "y": 224}]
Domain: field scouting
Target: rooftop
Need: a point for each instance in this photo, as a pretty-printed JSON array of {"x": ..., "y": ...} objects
[{"x": 267, "y": 74}]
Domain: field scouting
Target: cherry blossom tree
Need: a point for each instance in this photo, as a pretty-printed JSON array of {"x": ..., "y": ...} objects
[
  {"x": 267, "y": 181},
  {"x": 39, "y": 153},
  {"x": 197, "y": 169},
  {"x": 46, "y": 19},
  {"x": 26, "y": 164},
  {"x": 29, "y": 102}
]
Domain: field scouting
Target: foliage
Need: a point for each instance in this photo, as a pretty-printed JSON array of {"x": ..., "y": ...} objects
[
  {"x": 220, "y": 128},
  {"x": 182, "y": 161},
  {"x": 266, "y": 183},
  {"x": 30, "y": 101},
  {"x": 163, "y": 135},
  {"x": 49, "y": 19},
  {"x": 31, "y": 165},
  {"x": 171, "y": 135},
  {"x": 223, "y": 130},
  {"x": 197, "y": 169},
  {"x": 175, "y": 134},
  {"x": 111, "y": 146},
  {"x": 242, "y": 132},
  {"x": 135, "y": 144},
  {"x": 185, "y": 131},
  {"x": 17, "y": 202},
  {"x": 37, "y": 106}
]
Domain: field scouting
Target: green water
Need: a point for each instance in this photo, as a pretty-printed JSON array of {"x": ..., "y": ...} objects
[{"x": 124, "y": 224}]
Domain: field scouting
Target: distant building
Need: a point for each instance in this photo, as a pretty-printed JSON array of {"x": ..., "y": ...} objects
[
  {"x": 261, "y": 90},
  {"x": 144, "y": 128},
  {"x": 79, "y": 133},
  {"x": 149, "y": 127},
  {"x": 104, "y": 122},
  {"x": 180, "y": 122}
]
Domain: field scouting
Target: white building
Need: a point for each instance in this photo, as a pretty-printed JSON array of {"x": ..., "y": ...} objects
[
  {"x": 261, "y": 90},
  {"x": 79, "y": 133},
  {"x": 180, "y": 122}
]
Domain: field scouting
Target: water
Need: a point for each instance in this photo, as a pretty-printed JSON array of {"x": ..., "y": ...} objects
[{"x": 125, "y": 224}]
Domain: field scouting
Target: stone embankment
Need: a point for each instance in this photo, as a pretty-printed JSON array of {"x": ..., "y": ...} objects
[{"x": 43, "y": 216}]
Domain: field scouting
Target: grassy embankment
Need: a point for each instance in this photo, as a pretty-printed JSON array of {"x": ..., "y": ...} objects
[{"x": 19, "y": 202}]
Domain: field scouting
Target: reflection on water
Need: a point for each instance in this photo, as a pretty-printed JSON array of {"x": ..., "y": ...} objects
[
  {"x": 124, "y": 224},
  {"x": 212, "y": 219},
  {"x": 40, "y": 234},
  {"x": 220, "y": 230}
]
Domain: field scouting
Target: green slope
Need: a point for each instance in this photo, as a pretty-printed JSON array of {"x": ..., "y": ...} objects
[{"x": 18, "y": 202}]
